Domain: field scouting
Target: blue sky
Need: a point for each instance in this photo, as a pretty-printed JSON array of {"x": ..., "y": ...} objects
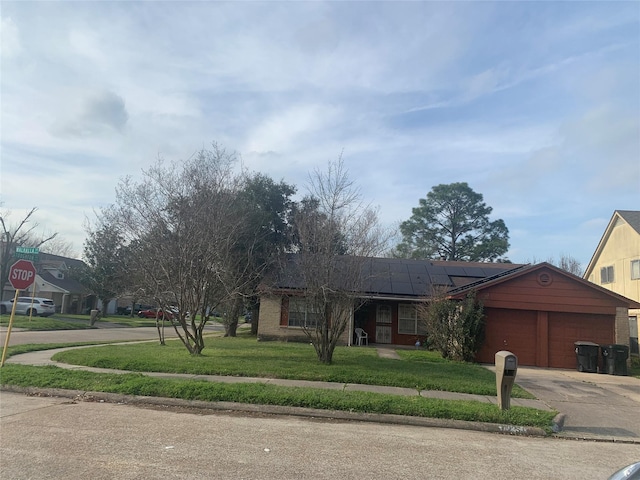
[{"x": 535, "y": 104}]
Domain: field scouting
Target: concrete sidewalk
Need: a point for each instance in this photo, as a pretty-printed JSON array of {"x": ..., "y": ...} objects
[{"x": 43, "y": 357}]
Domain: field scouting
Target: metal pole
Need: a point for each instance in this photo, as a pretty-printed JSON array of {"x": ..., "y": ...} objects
[{"x": 6, "y": 340}]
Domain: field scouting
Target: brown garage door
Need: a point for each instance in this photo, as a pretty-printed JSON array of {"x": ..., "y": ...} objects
[
  {"x": 512, "y": 330},
  {"x": 567, "y": 328}
]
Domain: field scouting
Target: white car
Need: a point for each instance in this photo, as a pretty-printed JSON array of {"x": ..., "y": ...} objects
[{"x": 43, "y": 307}]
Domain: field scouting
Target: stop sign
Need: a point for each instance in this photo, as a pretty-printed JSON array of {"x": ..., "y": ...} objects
[{"x": 22, "y": 274}]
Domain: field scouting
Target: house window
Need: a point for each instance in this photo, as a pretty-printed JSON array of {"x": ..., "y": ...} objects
[
  {"x": 408, "y": 322},
  {"x": 383, "y": 314},
  {"x": 301, "y": 314},
  {"x": 635, "y": 269},
  {"x": 606, "y": 274}
]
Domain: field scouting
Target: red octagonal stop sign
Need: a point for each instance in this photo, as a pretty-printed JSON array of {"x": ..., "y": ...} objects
[{"x": 22, "y": 274}]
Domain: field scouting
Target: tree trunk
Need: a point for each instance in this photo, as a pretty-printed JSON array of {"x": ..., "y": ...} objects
[
  {"x": 325, "y": 352},
  {"x": 230, "y": 328},
  {"x": 160, "y": 328},
  {"x": 231, "y": 322},
  {"x": 198, "y": 345},
  {"x": 255, "y": 317}
]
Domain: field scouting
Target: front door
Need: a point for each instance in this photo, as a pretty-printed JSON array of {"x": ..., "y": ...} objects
[{"x": 383, "y": 324}]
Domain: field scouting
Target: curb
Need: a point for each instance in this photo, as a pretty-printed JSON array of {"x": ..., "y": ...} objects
[{"x": 137, "y": 400}]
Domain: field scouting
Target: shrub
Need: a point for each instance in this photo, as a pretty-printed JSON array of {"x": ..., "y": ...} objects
[{"x": 455, "y": 328}]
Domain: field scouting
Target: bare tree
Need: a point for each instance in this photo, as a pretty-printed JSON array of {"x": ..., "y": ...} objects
[
  {"x": 192, "y": 239},
  {"x": 336, "y": 233},
  {"x": 15, "y": 235},
  {"x": 59, "y": 246},
  {"x": 566, "y": 263}
]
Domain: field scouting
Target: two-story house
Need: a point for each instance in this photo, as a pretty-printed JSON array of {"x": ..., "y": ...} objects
[{"x": 615, "y": 265}]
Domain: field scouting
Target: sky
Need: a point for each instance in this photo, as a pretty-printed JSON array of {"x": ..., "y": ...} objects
[{"x": 536, "y": 105}]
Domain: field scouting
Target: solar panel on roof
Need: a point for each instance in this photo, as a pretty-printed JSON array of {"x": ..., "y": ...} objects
[
  {"x": 403, "y": 288},
  {"x": 379, "y": 267},
  {"x": 441, "y": 280},
  {"x": 489, "y": 272},
  {"x": 419, "y": 278},
  {"x": 397, "y": 268},
  {"x": 437, "y": 270},
  {"x": 457, "y": 271},
  {"x": 417, "y": 267}
]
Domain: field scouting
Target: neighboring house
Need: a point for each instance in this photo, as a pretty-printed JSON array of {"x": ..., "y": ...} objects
[
  {"x": 615, "y": 265},
  {"x": 53, "y": 281},
  {"x": 537, "y": 312}
]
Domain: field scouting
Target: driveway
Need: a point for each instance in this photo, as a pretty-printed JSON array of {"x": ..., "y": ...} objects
[{"x": 595, "y": 405}]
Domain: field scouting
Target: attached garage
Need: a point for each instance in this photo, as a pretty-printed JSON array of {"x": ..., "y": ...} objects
[
  {"x": 564, "y": 327},
  {"x": 539, "y": 312},
  {"x": 513, "y": 330}
]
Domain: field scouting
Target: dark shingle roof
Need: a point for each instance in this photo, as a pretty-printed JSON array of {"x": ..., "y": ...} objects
[
  {"x": 632, "y": 217},
  {"x": 47, "y": 261},
  {"x": 68, "y": 284}
]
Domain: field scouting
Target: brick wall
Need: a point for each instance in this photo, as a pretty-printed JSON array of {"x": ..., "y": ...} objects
[
  {"x": 622, "y": 326},
  {"x": 269, "y": 327}
]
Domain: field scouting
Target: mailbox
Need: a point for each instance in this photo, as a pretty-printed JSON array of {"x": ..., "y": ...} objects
[{"x": 506, "y": 367}]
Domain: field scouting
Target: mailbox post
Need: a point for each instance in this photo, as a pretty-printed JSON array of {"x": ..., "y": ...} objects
[{"x": 506, "y": 367}]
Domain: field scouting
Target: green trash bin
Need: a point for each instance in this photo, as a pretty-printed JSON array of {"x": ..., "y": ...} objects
[
  {"x": 614, "y": 359},
  {"x": 587, "y": 356}
]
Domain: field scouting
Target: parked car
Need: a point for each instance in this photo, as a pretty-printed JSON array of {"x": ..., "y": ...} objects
[
  {"x": 630, "y": 472},
  {"x": 34, "y": 306},
  {"x": 156, "y": 313}
]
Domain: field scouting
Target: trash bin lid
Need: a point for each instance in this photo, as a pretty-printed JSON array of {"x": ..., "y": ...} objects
[{"x": 589, "y": 344}]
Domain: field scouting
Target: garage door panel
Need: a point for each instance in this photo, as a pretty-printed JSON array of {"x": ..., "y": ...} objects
[
  {"x": 567, "y": 328},
  {"x": 513, "y": 330}
]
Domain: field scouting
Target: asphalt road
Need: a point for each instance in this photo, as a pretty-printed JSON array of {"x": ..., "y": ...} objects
[
  {"x": 57, "y": 438},
  {"x": 101, "y": 333}
]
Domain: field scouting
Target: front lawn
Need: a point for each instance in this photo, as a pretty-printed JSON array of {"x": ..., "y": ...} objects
[
  {"x": 43, "y": 323},
  {"x": 244, "y": 356},
  {"x": 258, "y": 393}
]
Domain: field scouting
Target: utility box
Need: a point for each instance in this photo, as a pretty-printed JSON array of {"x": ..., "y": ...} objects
[{"x": 506, "y": 368}]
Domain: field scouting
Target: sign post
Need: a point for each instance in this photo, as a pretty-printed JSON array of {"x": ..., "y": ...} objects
[{"x": 21, "y": 275}]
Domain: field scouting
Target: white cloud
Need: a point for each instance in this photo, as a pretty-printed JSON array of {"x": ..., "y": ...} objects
[
  {"x": 416, "y": 93},
  {"x": 9, "y": 38}
]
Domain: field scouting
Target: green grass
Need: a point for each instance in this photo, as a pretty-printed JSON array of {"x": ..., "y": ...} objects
[
  {"x": 243, "y": 356},
  {"x": 256, "y": 393},
  {"x": 43, "y": 323},
  {"x": 71, "y": 322},
  {"x": 420, "y": 363}
]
